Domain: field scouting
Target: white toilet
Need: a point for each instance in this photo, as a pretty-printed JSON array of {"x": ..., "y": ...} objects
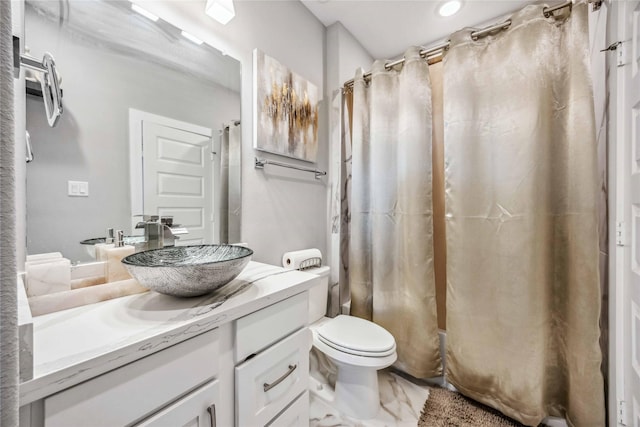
[{"x": 359, "y": 348}]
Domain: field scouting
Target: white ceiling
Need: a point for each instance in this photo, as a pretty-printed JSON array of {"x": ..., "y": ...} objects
[{"x": 386, "y": 28}]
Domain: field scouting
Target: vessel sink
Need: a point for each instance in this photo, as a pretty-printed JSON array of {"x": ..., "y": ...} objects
[{"x": 188, "y": 271}]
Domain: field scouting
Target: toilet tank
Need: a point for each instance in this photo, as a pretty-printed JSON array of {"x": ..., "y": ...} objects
[{"x": 318, "y": 294}]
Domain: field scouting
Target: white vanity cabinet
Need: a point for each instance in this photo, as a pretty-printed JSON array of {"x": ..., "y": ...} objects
[{"x": 148, "y": 360}]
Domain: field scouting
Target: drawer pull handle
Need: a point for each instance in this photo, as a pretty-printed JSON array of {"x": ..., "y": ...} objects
[
  {"x": 212, "y": 414},
  {"x": 268, "y": 387}
]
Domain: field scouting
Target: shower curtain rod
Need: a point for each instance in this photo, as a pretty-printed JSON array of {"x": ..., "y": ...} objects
[
  {"x": 234, "y": 122},
  {"x": 437, "y": 51}
]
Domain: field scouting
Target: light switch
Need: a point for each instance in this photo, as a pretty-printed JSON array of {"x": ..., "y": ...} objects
[{"x": 78, "y": 188}]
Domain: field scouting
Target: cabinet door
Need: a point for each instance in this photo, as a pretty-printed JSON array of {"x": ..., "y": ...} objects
[
  {"x": 139, "y": 388},
  {"x": 197, "y": 409},
  {"x": 296, "y": 415}
]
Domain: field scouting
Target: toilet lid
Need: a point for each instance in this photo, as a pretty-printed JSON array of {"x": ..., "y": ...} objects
[{"x": 357, "y": 336}]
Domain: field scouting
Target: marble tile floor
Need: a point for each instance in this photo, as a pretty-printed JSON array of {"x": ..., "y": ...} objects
[{"x": 401, "y": 402}]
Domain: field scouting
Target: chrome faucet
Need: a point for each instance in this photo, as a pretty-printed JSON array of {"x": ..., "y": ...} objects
[{"x": 159, "y": 232}]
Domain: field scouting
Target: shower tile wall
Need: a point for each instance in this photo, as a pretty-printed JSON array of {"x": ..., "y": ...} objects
[{"x": 335, "y": 206}]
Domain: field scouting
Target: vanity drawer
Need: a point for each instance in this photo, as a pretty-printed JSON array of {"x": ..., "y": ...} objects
[
  {"x": 129, "y": 393},
  {"x": 256, "y": 331},
  {"x": 269, "y": 382},
  {"x": 296, "y": 415}
]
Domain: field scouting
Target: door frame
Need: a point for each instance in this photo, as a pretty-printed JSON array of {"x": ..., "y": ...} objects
[
  {"x": 620, "y": 223},
  {"x": 136, "y": 162}
]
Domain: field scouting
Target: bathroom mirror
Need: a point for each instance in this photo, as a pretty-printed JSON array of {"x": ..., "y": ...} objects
[{"x": 150, "y": 126}]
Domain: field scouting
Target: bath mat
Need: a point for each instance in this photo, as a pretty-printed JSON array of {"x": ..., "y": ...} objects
[{"x": 445, "y": 408}]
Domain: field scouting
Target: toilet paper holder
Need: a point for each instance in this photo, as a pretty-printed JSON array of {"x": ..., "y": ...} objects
[
  {"x": 310, "y": 263},
  {"x": 302, "y": 259}
]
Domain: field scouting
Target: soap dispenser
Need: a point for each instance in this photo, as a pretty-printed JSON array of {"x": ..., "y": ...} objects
[
  {"x": 101, "y": 254},
  {"x": 116, "y": 270}
]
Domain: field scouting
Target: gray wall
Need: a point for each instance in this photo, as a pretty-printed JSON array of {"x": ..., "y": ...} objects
[
  {"x": 91, "y": 141},
  {"x": 345, "y": 55},
  {"x": 282, "y": 209}
]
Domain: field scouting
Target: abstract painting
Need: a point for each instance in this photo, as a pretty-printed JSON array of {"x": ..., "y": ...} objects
[{"x": 285, "y": 110}]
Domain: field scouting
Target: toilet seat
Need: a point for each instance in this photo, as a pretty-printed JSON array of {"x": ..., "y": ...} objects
[
  {"x": 356, "y": 352},
  {"x": 357, "y": 336}
]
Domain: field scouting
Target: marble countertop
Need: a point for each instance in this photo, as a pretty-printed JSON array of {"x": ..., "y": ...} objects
[{"x": 72, "y": 346}]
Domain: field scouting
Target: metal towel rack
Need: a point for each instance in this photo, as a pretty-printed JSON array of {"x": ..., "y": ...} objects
[{"x": 260, "y": 163}]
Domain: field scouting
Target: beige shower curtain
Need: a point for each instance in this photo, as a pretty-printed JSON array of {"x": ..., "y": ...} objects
[
  {"x": 391, "y": 243},
  {"x": 523, "y": 297}
]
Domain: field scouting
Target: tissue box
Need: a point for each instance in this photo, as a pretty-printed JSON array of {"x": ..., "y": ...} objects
[{"x": 48, "y": 277}]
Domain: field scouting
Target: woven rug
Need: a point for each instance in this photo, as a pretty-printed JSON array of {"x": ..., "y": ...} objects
[{"x": 445, "y": 408}]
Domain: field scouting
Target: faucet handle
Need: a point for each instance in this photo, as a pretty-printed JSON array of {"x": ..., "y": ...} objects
[{"x": 146, "y": 219}]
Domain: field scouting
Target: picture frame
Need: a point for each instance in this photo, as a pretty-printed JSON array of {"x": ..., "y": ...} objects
[{"x": 286, "y": 107}]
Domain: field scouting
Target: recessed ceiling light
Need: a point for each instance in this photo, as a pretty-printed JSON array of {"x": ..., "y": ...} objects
[
  {"x": 449, "y": 8},
  {"x": 220, "y": 10},
  {"x": 191, "y": 38},
  {"x": 144, "y": 12}
]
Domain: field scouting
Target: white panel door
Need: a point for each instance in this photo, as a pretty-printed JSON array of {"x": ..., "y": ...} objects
[
  {"x": 628, "y": 288},
  {"x": 177, "y": 179}
]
